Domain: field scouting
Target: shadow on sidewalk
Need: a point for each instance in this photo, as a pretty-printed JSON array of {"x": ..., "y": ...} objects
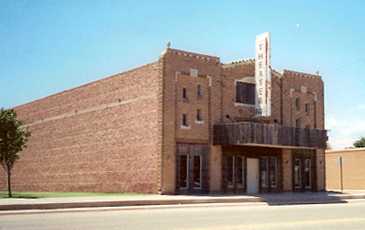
[
  {"x": 285, "y": 198},
  {"x": 302, "y": 198}
]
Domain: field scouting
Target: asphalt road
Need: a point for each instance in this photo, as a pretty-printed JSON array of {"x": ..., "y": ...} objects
[{"x": 247, "y": 217}]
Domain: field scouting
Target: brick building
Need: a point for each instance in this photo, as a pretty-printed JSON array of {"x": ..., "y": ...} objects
[{"x": 183, "y": 124}]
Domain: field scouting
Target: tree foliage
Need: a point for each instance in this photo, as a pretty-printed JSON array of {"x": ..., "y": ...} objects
[
  {"x": 360, "y": 143},
  {"x": 13, "y": 139}
]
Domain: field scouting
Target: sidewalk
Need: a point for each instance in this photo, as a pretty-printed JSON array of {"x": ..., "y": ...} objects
[{"x": 139, "y": 200}]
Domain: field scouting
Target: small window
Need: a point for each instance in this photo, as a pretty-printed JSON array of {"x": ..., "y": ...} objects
[
  {"x": 193, "y": 72},
  {"x": 199, "y": 116},
  {"x": 184, "y": 94},
  {"x": 298, "y": 123},
  {"x": 245, "y": 93},
  {"x": 307, "y": 107},
  {"x": 297, "y": 103},
  {"x": 184, "y": 121},
  {"x": 199, "y": 91}
]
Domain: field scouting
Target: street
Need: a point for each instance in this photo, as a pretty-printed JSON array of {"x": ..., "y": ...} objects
[{"x": 246, "y": 216}]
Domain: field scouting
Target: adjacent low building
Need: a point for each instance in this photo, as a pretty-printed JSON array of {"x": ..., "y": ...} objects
[
  {"x": 345, "y": 169},
  {"x": 185, "y": 123}
]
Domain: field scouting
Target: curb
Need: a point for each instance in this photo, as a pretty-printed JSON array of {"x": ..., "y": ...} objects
[
  {"x": 126, "y": 203},
  {"x": 98, "y": 204}
]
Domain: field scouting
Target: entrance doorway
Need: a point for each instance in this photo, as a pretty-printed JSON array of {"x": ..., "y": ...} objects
[
  {"x": 191, "y": 168},
  {"x": 269, "y": 174},
  {"x": 234, "y": 173},
  {"x": 303, "y": 172},
  {"x": 252, "y": 175}
]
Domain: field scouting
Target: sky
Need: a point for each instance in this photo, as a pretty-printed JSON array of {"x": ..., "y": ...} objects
[{"x": 50, "y": 46}]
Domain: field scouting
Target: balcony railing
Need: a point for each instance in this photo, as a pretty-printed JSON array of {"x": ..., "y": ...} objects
[{"x": 251, "y": 133}]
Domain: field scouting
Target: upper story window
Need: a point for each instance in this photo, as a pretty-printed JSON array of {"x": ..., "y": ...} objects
[
  {"x": 297, "y": 103},
  {"x": 298, "y": 123},
  {"x": 194, "y": 72},
  {"x": 245, "y": 93},
  {"x": 184, "y": 94},
  {"x": 199, "y": 91},
  {"x": 184, "y": 120},
  {"x": 199, "y": 117},
  {"x": 307, "y": 107}
]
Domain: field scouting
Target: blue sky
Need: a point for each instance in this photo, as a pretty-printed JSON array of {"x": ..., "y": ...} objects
[{"x": 49, "y": 46}]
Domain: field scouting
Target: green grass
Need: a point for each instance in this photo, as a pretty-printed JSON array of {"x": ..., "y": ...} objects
[{"x": 35, "y": 195}]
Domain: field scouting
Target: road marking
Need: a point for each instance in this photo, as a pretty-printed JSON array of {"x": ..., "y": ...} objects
[{"x": 281, "y": 225}]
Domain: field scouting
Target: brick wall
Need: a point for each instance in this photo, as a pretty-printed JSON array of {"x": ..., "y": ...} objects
[
  {"x": 181, "y": 61},
  {"x": 96, "y": 137},
  {"x": 309, "y": 89},
  {"x": 353, "y": 170}
]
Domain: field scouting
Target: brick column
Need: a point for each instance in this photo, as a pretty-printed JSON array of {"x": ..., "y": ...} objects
[
  {"x": 287, "y": 170},
  {"x": 320, "y": 163}
]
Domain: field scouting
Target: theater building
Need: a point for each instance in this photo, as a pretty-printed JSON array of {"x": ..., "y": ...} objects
[{"x": 186, "y": 123}]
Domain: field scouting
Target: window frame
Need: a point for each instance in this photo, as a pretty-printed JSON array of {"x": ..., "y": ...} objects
[
  {"x": 184, "y": 94},
  {"x": 199, "y": 114},
  {"x": 297, "y": 104},
  {"x": 187, "y": 172},
  {"x": 200, "y": 172},
  {"x": 199, "y": 91},
  {"x": 184, "y": 121},
  {"x": 245, "y": 80}
]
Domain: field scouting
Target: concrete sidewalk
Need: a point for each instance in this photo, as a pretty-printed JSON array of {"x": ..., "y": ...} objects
[{"x": 139, "y": 200}]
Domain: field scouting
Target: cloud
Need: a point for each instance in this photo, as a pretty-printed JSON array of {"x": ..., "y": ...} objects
[{"x": 344, "y": 132}]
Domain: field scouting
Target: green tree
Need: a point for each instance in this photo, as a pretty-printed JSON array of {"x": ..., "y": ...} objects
[
  {"x": 360, "y": 143},
  {"x": 13, "y": 139}
]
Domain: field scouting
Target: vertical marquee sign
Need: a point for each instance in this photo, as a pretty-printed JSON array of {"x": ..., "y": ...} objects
[{"x": 263, "y": 74}]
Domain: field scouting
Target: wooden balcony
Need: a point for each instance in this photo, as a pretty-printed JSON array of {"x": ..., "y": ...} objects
[{"x": 271, "y": 135}]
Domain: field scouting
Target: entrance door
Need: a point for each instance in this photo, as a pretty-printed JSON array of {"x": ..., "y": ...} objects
[
  {"x": 252, "y": 175},
  {"x": 234, "y": 173},
  {"x": 269, "y": 174},
  {"x": 303, "y": 176}
]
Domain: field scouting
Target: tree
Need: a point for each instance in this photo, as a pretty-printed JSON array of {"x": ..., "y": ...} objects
[
  {"x": 360, "y": 143},
  {"x": 13, "y": 139}
]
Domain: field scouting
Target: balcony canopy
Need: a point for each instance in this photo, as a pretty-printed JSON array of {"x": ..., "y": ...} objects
[{"x": 270, "y": 135}]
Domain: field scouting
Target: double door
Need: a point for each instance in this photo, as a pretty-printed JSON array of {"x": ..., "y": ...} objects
[
  {"x": 269, "y": 174},
  {"x": 234, "y": 174},
  {"x": 303, "y": 176}
]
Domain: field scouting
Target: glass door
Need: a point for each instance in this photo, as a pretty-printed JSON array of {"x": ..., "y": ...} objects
[
  {"x": 302, "y": 173},
  {"x": 269, "y": 173},
  {"x": 234, "y": 173}
]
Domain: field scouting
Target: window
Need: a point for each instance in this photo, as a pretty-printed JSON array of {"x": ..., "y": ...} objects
[
  {"x": 264, "y": 166},
  {"x": 199, "y": 91},
  {"x": 230, "y": 171},
  {"x": 297, "y": 173},
  {"x": 199, "y": 117},
  {"x": 184, "y": 172},
  {"x": 184, "y": 121},
  {"x": 193, "y": 72},
  {"x": 297, "y": 103},
  {"x": 307, "y": 173},
  {"x": 184, "y": 94},
  {"x": 307, "y": 107},
  {"x": 197, "y": 172},
  {"x": 239, "y": 164},
  {"x": 298, "y": 123},
  {"x": 273, "y": 172},
  {"x": 245, "y": 93}
]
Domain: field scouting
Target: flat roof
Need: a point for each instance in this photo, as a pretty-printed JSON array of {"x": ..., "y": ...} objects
[{"x": 345, "y": 150}]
